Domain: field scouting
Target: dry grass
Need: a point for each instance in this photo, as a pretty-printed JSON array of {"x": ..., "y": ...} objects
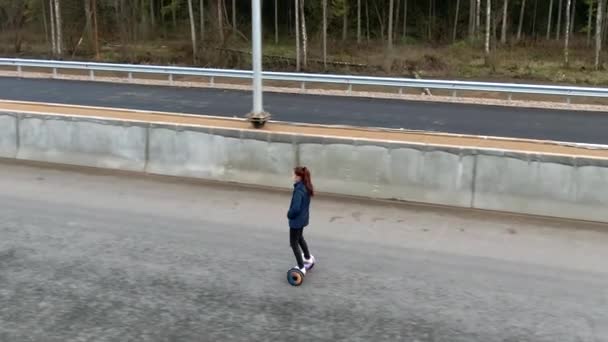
[{"x": 536, "y": 62}]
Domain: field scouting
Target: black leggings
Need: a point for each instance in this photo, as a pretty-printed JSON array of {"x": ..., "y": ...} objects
[{"x": 296, "y": 240}]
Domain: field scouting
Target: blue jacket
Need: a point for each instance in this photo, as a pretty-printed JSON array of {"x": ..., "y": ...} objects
[{"x": 299, "y": 210}]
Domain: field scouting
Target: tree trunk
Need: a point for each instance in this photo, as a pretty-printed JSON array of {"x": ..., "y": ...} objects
[
  {"x": 234, "y": 15},
  {"x": 397, "y": 17},
  {"x": 456, "y": 21},
  {"x": 572, "y": 17},
  {"x": 478, "y": 16},
  {"x": 152, "y": 14},
  {"x": 598, "y": 32},
  {"x": 289, "y": 19},
  {"x": 567, "y": 33},
  {"x": 488, "y": 27},
  {"x": 53, "y": 30},
  {"x": 59, "y": 31},
  {"x": 45, "y": 23},
  {"x": 404, "y": 19},
  {"x": 202, "y": 19},
  {"x": 192, "y": 31},
  {"x": 345, "y": 22},
  {"x": 95, "y": 28},
  {"x": 304, "y": 35},
  {"x": 358, "y": 21},
  {"x": 367, "y": 19},
  {"x": 503, "y": 32},
  {"x": 604, "y": 23},
  {"x": 276, "y": 21},
  {"x": 430, "y": 21},
  {"x": 521, "y": 19},
  {"x": 390, "y": 25},
  {"x": 380, "y": 20},
  {"x": 220, "y": 22},
  {"x": 558, "y": 33},
  {"x": 174, "y": 13},
  {"x": 534, "y": 18},
  {"x": 297, "y": 12},
  {"x": 88, "y": 22},
  {"x": 550, "y": 18},
  {"x": 325, "y": 35},
  {"x": 589, "y": 23},
  {"x": 471, "y": 18}
]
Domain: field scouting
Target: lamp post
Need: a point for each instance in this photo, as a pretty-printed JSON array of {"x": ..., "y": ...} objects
[{"x": 257, "y": 116}]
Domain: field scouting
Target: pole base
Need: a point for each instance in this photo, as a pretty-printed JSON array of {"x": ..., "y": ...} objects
[{"x": 258, "y": 120}]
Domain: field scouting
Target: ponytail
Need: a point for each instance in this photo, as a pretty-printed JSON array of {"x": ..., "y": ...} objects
[{"x": 304, "y": 174}]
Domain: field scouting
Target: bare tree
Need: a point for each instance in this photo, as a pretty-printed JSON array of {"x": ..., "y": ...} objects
[
  {"x": 430, "y": 21},
  {"x": 202, "y": 19},
  {"x": 589, "y": 22},
  {"x": 397, "y": 17},
  {"x": 234, "y": 15},
  {"x": 478, "y": 16},
  {"x": 558, "y": 33},
  {"x": 345, "y": 21},
  {"x": 572, "y": 16},
  {"x": 58, "y": 24},
  {"x": 534, "y": 15},
  {"x": 404, "y": 19},
  {"x": 567, "y": 33},
  {"x": 297, "y": 12},
  {"x": 598, "y": 32},
  {"x": 503, "y": 32},
  {"x": 358, "y": 21},
  {"x": 456, "y": 21},
  {"x": 488, "y": 27},
  {"x": 471, "y": 18},
  {"x": 95, "y": 33},
  {"x": 304, "y": 35},
  {"x": 53, "y": 30},
  {"x": 549, "y": 20},
  {"x": 324, "y": 34},
  {"x": 152, "y": 14},
  {"x": 276, "y": 21},
  {"x": 367, "y": 20},
  {"x": 521, "y": 19},
  {"x": 390, "y": 25},
  {"x": 220, "y": 23},
  {"x": 44, "y": 21},
  {"x": 192, "y": 31}
]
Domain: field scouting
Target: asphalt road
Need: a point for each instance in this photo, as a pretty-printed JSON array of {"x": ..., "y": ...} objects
[
  {"x": 107, "y": 257},
  {"x": 568, "y": 126}
]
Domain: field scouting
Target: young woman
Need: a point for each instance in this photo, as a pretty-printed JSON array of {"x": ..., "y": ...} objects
[{"x": 298, "y": 215}]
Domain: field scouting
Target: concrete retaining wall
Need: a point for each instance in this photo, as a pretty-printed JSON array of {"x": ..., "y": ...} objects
[
  {"x": 566, "y": 187},
  {"x": 8, "y": 135},
  {"x": 95, "y": 143}
]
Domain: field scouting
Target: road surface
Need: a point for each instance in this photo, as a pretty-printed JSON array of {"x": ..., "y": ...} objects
[
  {"x": 543, "y": 124},
  {"x": 107, "y": 257}
]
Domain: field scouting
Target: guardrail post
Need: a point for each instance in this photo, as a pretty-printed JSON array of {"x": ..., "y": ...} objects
[
  {"x": 568, "y": 101},
  {"x": 400, "y": 91},
  {"x": 303, "y": 86},
  {"x": 454, "y": 94},
  {"x": 54, "y": 72},
  {"x": 92, "y": 75},
  {"x": 130, "y": 77},
  {"x": 510, "y": 97},
  {"x": 171, "y": 79},
  {"x": 19, "y": 70},
  {"x": 350, "y": 89},
  {"x": 212, "y": 81}
]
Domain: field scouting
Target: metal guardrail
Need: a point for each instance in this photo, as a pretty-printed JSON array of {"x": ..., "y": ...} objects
[{"x": 303, "y": 79}]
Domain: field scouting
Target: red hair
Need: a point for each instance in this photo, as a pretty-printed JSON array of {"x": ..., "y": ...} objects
[{"x": 304, "y": 174}]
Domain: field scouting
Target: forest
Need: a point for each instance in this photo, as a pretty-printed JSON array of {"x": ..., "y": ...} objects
[{"x": 558, "y": 41}]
